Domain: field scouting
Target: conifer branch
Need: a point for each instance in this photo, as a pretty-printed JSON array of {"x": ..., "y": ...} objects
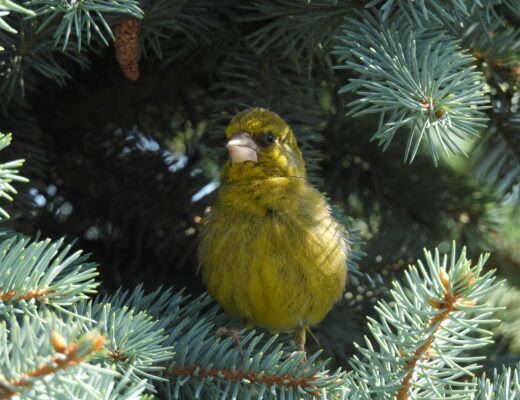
[
  {"x": 409, "y": 68},
  {"x": 39, "y": 295},
  {"x": 70, "y": 355},
  {"x": 76, "y": 22},
  {"x": 178, "y": 30},
  {"x": 44, "y": 351},
  {"x": 181, "y": 351},
  {"x": 7, "y": 6},
  {"x": 302, "y": 30},
  {"x": 503, "y": 385},
  {"x": 135, "y": 340},
  {"x": 9, "y": 172},
  {"x": 414, "y": 79},
  {"x": 307, "y": 384},
  {"x": 47, "y": 357},
  {"x": 424, "y": 12},
  {"x": 495, "y": 46},
  {"x": 42, "y": 273},
  {"x": 207, "y": 367},
  {"x": 29, "y": 142},
  {"x": 422, "y": 334},
  {"x": 198, "y": 354},
  {"x": 32, "y": 50},
  {"x": 496, "y": 156},
  {"x": 445, "y": 307}
]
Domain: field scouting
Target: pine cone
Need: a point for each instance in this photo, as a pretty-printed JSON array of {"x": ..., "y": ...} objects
[{"x": 127, "y": 46}]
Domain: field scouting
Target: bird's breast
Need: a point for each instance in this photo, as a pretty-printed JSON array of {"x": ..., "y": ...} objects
[{"x": 278, "y": 265}]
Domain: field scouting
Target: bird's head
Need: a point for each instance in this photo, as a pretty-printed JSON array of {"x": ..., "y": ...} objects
[{"x": 261, "y": 145}]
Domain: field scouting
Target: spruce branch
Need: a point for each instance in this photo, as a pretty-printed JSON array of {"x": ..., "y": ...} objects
[
  {"x": 501, "y": 10},
  {"x": 176, "y": 30},
  {"x": 422, "y": 334},
  {"x": 32, "y": 50},
  {"x": 42, "y": 274},
  {"x": 9, "y": 172},
  {"x": 69, "y": 355},
  {"x": 78, "y": 21},
  {"x": 53, "y": 360},
  {"x": 403, "y": 222},
  {"x": 83, "y": 386},
  {"x": 29, "y": 141},
  {"x": 496, "y": 156},
  {"x": 207, "y": 367},
  {"x": 303, "y": 30},
  {"x": 493, "y": 44},
  {"x": 496, "y": 48},
  {"x": 35, "y": 354},
  {"x": 424, "y": 12},
  {"x": 414, "y": 79},
  {"x": 175, "y": 312},
  {"x": 8, "y": 6},
  {"x": 134, "y": 340},
  {"x": 160, "y": 302},
  {"x": 504, "y": 385}
]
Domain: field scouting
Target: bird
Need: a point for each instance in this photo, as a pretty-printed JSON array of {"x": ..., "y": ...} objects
[{"x": 270, "y": 250}]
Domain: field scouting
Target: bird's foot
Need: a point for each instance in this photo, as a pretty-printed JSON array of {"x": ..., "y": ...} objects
[{"x": 234, "y": 333}]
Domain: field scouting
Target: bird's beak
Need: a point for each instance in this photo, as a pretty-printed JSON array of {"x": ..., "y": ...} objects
[{"x": 242, "y": 148}]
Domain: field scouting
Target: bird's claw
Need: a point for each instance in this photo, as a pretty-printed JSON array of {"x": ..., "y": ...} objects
[{"x": 233, "y": 333}]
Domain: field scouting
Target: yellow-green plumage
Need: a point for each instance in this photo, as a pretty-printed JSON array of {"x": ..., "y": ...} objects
[{"x": 270, "y": 251}]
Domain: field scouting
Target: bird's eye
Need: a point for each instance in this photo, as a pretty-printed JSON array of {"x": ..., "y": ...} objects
[{"x": 268, "y": 138}]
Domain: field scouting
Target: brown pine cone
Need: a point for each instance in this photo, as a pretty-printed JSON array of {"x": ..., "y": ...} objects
[{"x": 127, "y": 46}]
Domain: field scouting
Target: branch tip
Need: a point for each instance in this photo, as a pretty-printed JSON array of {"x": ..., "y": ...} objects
[
  {"x": 58, "y": 342},
  {"x": 445, "y": 279},
  {"x": 67, "y": 358}
]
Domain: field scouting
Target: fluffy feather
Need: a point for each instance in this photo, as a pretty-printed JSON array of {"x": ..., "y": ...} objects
[{"x": 270, "y": 251}]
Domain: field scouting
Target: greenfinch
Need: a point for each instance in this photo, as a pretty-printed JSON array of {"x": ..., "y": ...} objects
[{"x": 270, "y": 250}]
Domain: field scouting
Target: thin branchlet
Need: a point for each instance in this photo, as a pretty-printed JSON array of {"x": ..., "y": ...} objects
[
  {"x": 249, "y": 377},
  {"x": 37, "y": 294},
  {"x": 445, "y": 307},
  {"x": 70, "y": 355}
]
